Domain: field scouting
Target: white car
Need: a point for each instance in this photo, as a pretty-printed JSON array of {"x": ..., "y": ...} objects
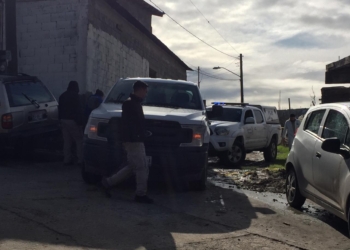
[
  {"x": 177, "y": 136},
  {"x": 318, "y": 163},
  {"x": 237, "y": 129}
]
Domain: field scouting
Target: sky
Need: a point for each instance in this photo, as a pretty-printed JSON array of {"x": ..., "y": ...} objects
[{"x": 286, "y": 45}]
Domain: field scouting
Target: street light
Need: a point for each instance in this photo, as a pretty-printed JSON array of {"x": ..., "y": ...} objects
[{"x": 241, "y": 80}]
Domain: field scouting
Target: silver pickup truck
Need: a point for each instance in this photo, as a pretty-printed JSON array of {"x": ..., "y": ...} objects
[{"x": 237, "y": 129}]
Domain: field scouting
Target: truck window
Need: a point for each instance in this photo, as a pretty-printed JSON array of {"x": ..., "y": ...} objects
[
  {"x": 160, "y": 94},
  {"x": 248, "y": 114},
  {"x": 228, "y": 115},
  {"x": 258, "y": 116},
  {"x": 19, "y": 92}
]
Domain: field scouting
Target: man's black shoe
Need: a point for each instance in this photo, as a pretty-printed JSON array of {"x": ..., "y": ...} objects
[
  {"x": 106, "y": 187},
  {"x": 143, "y": 199}
]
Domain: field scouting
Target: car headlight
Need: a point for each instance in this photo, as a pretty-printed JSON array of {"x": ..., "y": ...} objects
[
  {"x": 222, "y": 131},
  {"x": 197, "y": 135},
  {"x": 91, "y": 129}
]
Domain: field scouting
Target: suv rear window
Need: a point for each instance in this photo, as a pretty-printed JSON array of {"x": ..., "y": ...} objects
[
  {"x": 314, "y": 121},
  {"x": 23, "y": 93}
]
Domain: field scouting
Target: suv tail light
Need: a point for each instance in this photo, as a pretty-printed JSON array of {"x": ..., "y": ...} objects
[{"x": 6, "y": 121}]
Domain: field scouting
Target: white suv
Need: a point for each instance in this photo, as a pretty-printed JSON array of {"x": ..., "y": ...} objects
[{"x": 318, "y": 166}]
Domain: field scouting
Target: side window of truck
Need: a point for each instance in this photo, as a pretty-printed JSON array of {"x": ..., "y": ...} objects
[
  {"x": 258, "y": 117},
  {"x": 248, "y": 114}
]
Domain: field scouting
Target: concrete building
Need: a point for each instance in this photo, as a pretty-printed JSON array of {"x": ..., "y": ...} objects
[{"x": 95, "y": 42}]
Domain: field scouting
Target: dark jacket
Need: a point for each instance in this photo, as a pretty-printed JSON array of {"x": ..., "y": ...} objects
[
  {"x": 133, "y": 120},
  {"x": 69, "y": 106}
]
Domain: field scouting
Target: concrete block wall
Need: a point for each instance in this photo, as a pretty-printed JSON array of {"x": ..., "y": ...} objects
[
  {"x": 133, "y": 45},
  {"x": 50, "y": 37},
  {"x": 108, "y": 60}
]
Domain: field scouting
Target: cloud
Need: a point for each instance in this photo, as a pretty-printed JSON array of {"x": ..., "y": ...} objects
[{"x": 286, "y": 45}]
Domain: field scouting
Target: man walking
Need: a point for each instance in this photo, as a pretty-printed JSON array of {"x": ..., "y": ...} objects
[
  {"x": 290, "y": 128},
  {"x": 70, "y": 116},
  {"x": 133, "y": 136}
]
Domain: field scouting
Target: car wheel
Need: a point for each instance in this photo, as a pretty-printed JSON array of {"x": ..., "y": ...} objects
[
  {"x": 235, "y": 156},
  {"x": 90, "y": 178},
  {"x": 270, "y": 153},
  {"x": 294, "y": 197}
]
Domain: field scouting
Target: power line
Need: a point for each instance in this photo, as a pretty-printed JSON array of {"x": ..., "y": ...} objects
[
  {"x": 213, "y": 26},
  {"x": 217, "y": 78},
  {"x": 192, "y": 33}
]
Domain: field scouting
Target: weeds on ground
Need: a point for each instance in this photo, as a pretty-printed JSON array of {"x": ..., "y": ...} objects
[{"x": 281, "y": 158}]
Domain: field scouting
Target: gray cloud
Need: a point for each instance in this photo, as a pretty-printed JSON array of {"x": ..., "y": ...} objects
[
  {"x": 307, "y": 41},
  {"x": 341, "y": 22}
]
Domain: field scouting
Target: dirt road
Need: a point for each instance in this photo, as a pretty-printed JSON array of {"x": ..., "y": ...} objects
[{"x": 47, "y": 206}]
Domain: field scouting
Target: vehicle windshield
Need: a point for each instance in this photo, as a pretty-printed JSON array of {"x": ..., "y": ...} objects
[
  {"x": 173, "y": 95},
  {"x": 27, "y": 93},
  {"x": 228, "y": 115}
]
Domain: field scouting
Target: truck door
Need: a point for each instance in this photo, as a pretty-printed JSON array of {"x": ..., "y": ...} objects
[
  {"x": 249, "y": 132},
  {"x": 260, "y": 130}
]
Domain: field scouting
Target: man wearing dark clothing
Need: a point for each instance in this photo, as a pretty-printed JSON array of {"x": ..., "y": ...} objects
[
  {"x": 133, "y": 136},
  {"x": 70, "y": 116}
]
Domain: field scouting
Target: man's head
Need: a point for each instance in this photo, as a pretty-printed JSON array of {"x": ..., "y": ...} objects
[
  {"x": 99, "y": 93},
  {"x": 292, "y": 117},
  {"x": 73, "y": 87},
  {"x": 140, "y": 89}
]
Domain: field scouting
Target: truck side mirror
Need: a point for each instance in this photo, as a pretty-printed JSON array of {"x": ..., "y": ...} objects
[
  {"x": 217, "y": 111},
  {"x": 250, "y": 120}
]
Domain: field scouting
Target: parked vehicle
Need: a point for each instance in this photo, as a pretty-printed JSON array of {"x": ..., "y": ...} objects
[
  {"x": 318, "y": 163},
  {"x": 177, "y": 136},
  {"x": 28, "y": 110},
  {"x": 237, "y": 129}
]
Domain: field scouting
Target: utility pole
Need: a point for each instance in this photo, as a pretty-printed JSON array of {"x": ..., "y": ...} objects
[
  {"x": 241, "y": 76},
  {"x": 289, "y": 104},
  {"x": 199, "y": 82},
  {"x": 11, "y": 34}
]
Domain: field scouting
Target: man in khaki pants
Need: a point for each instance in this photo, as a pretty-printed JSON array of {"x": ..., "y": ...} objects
[
  {"x": 70, "y": 115},
  {"x": 133, "y": 136}
]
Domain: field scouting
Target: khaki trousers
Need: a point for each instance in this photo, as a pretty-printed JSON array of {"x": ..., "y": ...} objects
[
  {"x": 137, "y": 164},
  {"x": 72, "y": 133}
]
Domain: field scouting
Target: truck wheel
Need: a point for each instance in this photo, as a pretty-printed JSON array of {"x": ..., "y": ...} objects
[
  {"x": 201, "y": 184},
  {"x": 294, "y": 197},
  {"x": 90, "y": 178},
  {"x": 270, "y": 153},
  {"x": 235, "y": 156}
]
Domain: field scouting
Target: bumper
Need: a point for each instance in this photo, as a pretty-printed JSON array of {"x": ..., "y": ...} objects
[
  {"x": 183, "y": 164},
  {"x": 31, "y": 133},
  {"x": 220, "y": 143}
]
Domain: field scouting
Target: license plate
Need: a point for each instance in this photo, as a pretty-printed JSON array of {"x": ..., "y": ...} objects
[
  {"x": 37, "y": 116},
  {"x": 149, "y": 160}
]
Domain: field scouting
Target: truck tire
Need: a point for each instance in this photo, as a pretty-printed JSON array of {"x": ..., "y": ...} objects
[
  {"x": 201, "y": 184},
  {"x": 235, "y": 156},
  {"x": 270, "y": 153},
  {"x": 90, "y": 178}
]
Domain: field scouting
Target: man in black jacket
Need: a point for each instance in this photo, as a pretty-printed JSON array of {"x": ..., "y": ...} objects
[
  {"x": 70, "y": 115},
  {"x": 133, "y": 136}
]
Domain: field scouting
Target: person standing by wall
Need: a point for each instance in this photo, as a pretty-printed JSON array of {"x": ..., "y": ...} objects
[
  {"x": 133, "y": 136},
  {"x": 71, "y": 120},
  {"x": 290, "y": 129}
]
